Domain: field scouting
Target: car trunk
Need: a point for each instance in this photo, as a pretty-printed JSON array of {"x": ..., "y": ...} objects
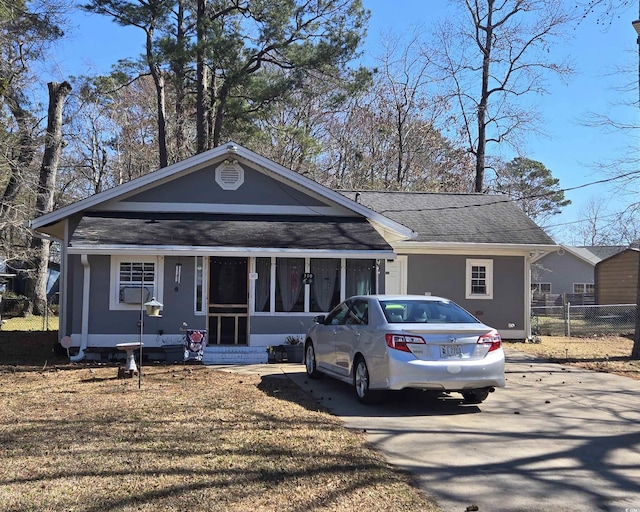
[{"x": 449, "y": 344}]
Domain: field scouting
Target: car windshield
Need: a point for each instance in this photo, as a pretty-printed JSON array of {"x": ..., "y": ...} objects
[{"x": 432, "y": 311}]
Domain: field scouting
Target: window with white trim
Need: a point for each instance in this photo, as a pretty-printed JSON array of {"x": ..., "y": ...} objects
[
  {"x": 479, "y": 279},
  {"x": 200, "y": 276},
  {"x": 541, "y": 287},
  {"x": 584, "y": 288},
  {"x": 134, "y": 281}
]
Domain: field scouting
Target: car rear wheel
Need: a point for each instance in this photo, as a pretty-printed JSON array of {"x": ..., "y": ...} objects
[
  {"x": 310, "y": 362},
  {"x": 475, "y": 396},
  {"x": 361, "y": 383}
]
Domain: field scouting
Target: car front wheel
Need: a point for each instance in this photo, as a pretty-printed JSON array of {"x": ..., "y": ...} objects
[{"x": 310, "y": 362}]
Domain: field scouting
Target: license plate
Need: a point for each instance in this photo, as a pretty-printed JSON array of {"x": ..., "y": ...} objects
[{"x": 450, "y": 350}]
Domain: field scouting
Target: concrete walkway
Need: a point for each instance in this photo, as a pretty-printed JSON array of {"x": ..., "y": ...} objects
[{"x": 556, "y": 439}]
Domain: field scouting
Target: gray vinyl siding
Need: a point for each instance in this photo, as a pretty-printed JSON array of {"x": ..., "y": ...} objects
[
  {"x": 445, "y": 275},
  {"x": 178, "y": 300},
  {"x": 201, "y": 187},
  {"x": 562, "y": 271}
]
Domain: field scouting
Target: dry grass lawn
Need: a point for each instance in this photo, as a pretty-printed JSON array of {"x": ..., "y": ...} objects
[
  {"x": 76, "y": 438},
  {"x": 603, "y": 353}
]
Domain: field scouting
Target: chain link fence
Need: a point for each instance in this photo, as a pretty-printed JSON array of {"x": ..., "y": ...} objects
[
  {"x": 17, "y": 314},
  {"x": 583, "y": 321}
]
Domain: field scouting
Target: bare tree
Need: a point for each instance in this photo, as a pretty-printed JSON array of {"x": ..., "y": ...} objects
[
  {"x": 58, "y": 93},
  {"x": 496, "y": 56},
  {"x": 594, "y": 227},
  {"x": 27, "y": 29},
  {"x": 388, "y": 137},
  {"x": 149, "y": 17}
]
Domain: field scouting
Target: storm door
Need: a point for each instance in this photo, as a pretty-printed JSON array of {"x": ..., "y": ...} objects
[{"x": 228, "y": 301}]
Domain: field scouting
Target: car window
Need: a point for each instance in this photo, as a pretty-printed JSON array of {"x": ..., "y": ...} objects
[
  {"x": 338, "y": 315},
  {"x": 416, "y": 311},
  {"x": 358, "y": 312}
]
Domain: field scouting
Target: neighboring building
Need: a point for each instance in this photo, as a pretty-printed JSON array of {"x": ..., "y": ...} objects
[
  {"x": 568, "y": 275},
  {"x": 617, "y": 278},
  {"x": 231, "y": 242}
]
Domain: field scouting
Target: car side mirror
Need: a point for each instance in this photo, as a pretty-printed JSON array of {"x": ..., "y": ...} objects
[{"x": 319, "y": 319}]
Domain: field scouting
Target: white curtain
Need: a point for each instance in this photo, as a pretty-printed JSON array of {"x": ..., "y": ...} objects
[
  {"x": 359, "y": 277},
  {"x": 289, "y": 273},
  {"x": 325, "y": 272}
]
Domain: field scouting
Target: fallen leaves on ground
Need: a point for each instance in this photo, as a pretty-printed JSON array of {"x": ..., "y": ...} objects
[{"x": 601, "y": 353}]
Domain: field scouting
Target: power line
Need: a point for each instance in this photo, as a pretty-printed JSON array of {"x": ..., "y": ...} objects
[{"x": 511, "y": 200}]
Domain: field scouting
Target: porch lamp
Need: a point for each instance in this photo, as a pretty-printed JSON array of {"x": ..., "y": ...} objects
[{"x": 153, "y": 310}]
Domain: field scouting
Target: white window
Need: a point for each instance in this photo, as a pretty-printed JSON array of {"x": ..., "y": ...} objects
[
  {"x": 479, "y": 283},
  {"x": 134, "y": 281},
  {"x": 541, "y": 287},
  {"x": 200, "y": 306},
  {"x": 583, "y": 288}
]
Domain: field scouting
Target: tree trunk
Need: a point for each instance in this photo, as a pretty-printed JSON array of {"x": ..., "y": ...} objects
[
  {"x": 158, "y": 80},
  {"x": 24, "y": 121},
  {"x": 201, "y": 80},
  {"x": 46, "y": 186},
  {"x": 178, "y": 68},
  {"x": 484, "y": 101}
]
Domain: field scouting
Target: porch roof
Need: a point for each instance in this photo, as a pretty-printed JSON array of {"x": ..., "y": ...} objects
[{"x": 124, "y": 229}]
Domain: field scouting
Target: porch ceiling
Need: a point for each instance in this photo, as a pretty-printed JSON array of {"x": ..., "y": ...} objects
[{"x": 204, "y": 230}]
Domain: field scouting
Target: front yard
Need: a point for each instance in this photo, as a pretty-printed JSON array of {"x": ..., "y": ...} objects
[{"x": 76, "y": 438}]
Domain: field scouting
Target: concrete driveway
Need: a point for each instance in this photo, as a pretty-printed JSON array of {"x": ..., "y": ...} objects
[{"x": 556, "y": 439}]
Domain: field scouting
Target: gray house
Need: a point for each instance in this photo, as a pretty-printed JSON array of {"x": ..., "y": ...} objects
[
  {"x": 236, "y": 244},
  {"x": 569, "y": 272}
]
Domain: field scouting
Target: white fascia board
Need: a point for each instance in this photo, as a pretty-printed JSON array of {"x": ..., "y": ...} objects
[
  {"x": 196, "y": 162},
  {"x": 108, "y": 250},
  {"x": 538, "y": 250}
]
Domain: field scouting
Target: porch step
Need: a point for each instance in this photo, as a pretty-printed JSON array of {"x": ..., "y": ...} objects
[{"x": 216, "y": 354}]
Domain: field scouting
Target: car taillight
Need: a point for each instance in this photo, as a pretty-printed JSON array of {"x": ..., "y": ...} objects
[
  {"x": 401, "y": 342},
  {"x": 491, "y": 338}
]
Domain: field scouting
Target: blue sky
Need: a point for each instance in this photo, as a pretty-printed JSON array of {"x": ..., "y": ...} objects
[{"x": 570, "y": 150}]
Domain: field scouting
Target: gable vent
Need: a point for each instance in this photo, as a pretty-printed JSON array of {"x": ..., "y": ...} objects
[{"x": 229, "y": 175}]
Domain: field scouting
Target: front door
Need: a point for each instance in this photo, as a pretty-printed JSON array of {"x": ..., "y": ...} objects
[{"x": 228, "y": 301}]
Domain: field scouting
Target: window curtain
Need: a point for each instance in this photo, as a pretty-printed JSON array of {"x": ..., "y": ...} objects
[
  {"x": 360, "y": 277},
  {"x": 325, "y": 272},
  {"x": 290, "y": 272},
  {"x": 263, "y": 283}
]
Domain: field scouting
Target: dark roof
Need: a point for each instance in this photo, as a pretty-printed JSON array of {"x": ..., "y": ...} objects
[
  {"x": 466, "y": 218},
  {"x": 209, "y": 230}
]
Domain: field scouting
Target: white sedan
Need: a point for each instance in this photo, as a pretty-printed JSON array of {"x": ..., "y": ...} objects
[{"x": 393, "y": 342}]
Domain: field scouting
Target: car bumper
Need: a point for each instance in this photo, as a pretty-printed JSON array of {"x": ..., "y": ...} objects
[{"x": 455, "y": 375}]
